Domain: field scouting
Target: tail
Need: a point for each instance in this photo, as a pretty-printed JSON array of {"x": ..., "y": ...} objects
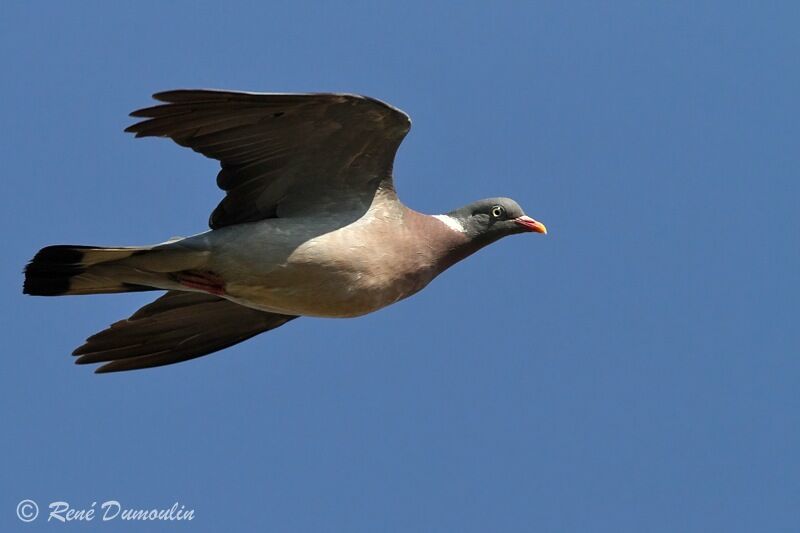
[{"x": 66, "y": 269}]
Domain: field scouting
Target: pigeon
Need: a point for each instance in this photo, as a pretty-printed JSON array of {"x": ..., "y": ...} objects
[{"x": 310, "y": 225}]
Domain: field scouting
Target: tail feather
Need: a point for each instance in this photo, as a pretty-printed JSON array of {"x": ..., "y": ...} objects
[{"x": 67, "y": 269}]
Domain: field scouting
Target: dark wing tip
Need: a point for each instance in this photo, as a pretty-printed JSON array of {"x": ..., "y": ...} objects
[
  {"x": 120, "y": 366},
  {"x": 178, "y": 96},
  {"x": 116, "y": 366},
  {"x": 81, "y": 350},
  {"x": 135, "y": 363}
]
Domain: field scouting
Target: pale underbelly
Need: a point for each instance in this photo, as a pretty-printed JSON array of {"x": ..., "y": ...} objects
[{"x": 333, "y": 297}]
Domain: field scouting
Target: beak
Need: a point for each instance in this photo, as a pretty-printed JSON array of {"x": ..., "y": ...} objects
[{"x": 531, "y": 225}]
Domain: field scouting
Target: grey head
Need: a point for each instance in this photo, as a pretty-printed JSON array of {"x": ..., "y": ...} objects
[
  {"x": 488, "y": 220},
  {"x": 484, "y": 222}
]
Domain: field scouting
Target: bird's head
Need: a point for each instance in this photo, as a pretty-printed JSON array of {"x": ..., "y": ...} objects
[{"x": 494, "y": 218}]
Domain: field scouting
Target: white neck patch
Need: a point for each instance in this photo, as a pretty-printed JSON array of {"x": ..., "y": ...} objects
[{"x": 451, "y": 223}]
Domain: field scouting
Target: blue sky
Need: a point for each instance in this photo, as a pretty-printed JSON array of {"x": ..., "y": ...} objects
[{"x": 634, "y": 370}]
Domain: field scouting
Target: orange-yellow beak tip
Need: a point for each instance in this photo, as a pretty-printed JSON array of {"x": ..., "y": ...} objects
[{"x": 531, "y": 225}]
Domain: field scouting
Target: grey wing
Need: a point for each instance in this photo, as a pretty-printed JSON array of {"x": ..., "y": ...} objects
[
  {"x": 281, "y": 152},
  {"x": 176, "y": 327}
]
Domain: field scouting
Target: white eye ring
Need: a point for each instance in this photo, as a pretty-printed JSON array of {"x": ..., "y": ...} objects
[{"x": 498, "y": 211}]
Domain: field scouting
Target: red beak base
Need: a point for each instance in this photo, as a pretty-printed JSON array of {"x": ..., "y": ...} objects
[{"x": 531, "y": 225}]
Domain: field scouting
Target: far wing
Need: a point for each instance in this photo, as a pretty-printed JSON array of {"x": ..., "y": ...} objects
[{"x": 176, "y": 327}]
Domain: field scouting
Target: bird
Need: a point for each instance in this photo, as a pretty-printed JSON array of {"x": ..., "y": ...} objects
[{"x": 310, "y": 225}]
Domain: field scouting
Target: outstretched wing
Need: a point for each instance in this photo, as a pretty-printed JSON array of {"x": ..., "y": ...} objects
[
  {"x": 176, "y": 327},
  {"x": 282, "y": 153}
]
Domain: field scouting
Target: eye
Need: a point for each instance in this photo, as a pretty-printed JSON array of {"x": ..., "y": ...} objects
[{"x": 498, "y": 211}]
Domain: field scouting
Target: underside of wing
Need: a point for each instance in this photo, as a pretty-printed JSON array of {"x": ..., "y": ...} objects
[
  {"x": 276, "y": 148},
  {"x": 176, "y": 327}
]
